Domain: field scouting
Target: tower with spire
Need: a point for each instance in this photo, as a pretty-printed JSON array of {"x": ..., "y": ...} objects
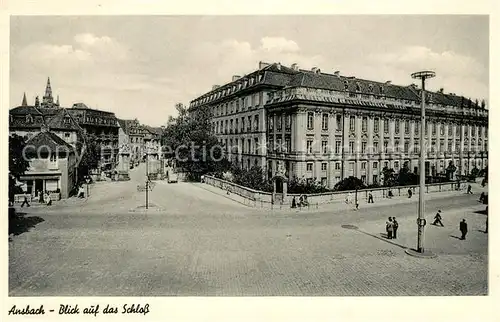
[
  {"x": 48, "y": 99},
  {"x": 24, "y": 103}
]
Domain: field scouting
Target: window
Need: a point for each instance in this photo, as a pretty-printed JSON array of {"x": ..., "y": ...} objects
[
  {"x": 375, "y": 125},
  {"x": 288, "y": 122},
  {"x": 351, "y": 166},
  {"x": 406, "y": 147},
  {"x": 249, "y": 125},
  {"x": 441, "y": 129},
  {"x": 339, "y": 122},
  {"x": 278, "y": 122},
  {"x": 324, "y": 122},
  {"x": 346, "y": 85},
  {"x": 337, "y": 147},
  {"x": 231, "y": 126},
  {"x": 323, "y": 166},
  {"x": 309, "y": 146},
  {"x": 416, "y": 147},
  {"x": 375, "y": 147},
  {"x": 351, "y": 147},
  {"x": 310, "y": 121},
  {"x": 417, "y": 128},
  {"x": 324, "y": 146},
  {"x": 466, "y": 130},
  {"x": 309, "y": 167},
  {"x": 441, "y": 145},
  {"x": 363, "y": 147},
  {"x": 363, "y": 165},
  {"x": 375, "y": 178},
  {"x": 396, "y": 165},
  {"x": 457, "y": 145},
  {"x": 337, "y": 179},
  {"x": 450, "y": 130},
  {"x": 288, "y": 144},
  {"x": 473, "y": 129},
  {"x": 29, "y": 118},
  {"x": 396, "y": 145},
  {"x": 352, "y": 123},
  {"x": 457, "y": 130},
  {"x": 386, "y": 146},
  {"x": 363, "y": 178},
  {"x": 407, "y": 127},
  {"x": 386, "y": 126},
  {"x": 337, "y": 165},
  {"x": 396, "y": 127},
  {"x": 364, "y": 124},
  {"x": 434, "y": 127},
  {"x": 67, "y": 134},
  {"x": 237, "y": 125},
  {"x": 386, "y": 164},
  {"x": 450, "y": 145},
  {"x": 375, "y": 165},
  {"x": 256, "y": 99},
  {"x": 256, "y": 146},
  {"x": 271, "y": 123},
  {"x": 255, "y": 122}
]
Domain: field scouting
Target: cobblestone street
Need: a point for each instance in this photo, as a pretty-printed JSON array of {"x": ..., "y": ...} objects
[{"x": 192, "y": 242}]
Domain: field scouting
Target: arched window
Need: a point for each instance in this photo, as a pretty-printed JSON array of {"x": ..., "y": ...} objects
[
  {"x": 358, "y": 87},
  {"x": 346, "y": 85}
]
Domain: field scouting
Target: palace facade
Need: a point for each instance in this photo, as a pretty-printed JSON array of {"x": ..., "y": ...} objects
[{"x": 327, "y": 127}]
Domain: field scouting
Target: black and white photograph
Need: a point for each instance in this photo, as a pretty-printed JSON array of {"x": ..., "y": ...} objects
[{"x": 248, "y": 155}]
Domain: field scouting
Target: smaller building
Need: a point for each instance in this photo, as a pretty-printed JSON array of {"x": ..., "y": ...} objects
[{"x": 52, "y": 166}]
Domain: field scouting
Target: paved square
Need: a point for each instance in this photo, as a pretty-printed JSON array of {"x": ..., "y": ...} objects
[{"x": 193, "y": 242}]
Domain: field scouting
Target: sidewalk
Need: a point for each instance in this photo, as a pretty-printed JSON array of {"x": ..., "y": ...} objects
[{"x": 341, "y": 206}]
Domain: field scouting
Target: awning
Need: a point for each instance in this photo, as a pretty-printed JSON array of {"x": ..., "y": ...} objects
[{"x": 40, "y": 177}]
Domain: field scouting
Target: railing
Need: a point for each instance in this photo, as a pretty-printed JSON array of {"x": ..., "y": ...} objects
[{"x": 261, "y": 199}]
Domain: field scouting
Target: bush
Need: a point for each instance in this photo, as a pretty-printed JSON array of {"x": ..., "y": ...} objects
[
  {"x": 350, "y": 183},
  {"x": 302, "y": 186}
]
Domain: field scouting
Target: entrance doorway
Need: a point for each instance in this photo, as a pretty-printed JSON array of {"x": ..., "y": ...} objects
[{"x": 38, "y": 185}]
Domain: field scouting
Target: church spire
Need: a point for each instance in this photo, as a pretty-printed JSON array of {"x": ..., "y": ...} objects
[
  {"x": 48, "y": 89},
  {"x": 24, "y": 103},
  {"x": 57, "y": 103}
]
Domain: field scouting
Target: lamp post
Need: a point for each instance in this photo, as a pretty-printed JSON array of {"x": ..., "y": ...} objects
[{"x": 420, "y": 250}]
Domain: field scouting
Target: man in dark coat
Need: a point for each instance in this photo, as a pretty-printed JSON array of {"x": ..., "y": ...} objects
[
  {"x": 437, "y": 219},
  {"x": 395, "y": 226},
  {"x": 463, "y": 229}
]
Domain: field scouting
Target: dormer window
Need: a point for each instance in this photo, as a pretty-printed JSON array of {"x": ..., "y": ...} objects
[
  {"x": 29, "y": 118},
  {"x": 261, "y": 77},
  {"x": 251, "y": 81},
  {"x": 67, "y": 120},
  {"x": 346, "y": 85},
  {"x": 358, "y": 87},
  {"x": 370, "y": 88},
  {"x": 381, "y": 89}
]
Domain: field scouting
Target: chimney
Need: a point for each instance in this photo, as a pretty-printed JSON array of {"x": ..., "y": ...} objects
[
  {"x": 236, "y": 77},
  {"x": 295, "y": 66},
  {"x": 314, "y": 70},
  {"x": 337, "y": 73},
  {"x": 214, "y": 87},
  {"x": 388, "y": 82},
  {"x": 278, "y": 65},
  {"x": 263, "y": 64},
  {"x": 441, "y": 90}
]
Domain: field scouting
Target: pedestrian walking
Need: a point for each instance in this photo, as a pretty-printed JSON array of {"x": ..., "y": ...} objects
[
  {"x": 410, "y": 193},
  {"x": 463, "y": 229},
  {"x": 40, "y": 197},
  {"x": 49, "y": 200},
  {"x": 389, "y": 227},
  {"x": 481, "y": 197},
  {"x": 370, "y": 198},
  {"x": 395, "y": 228},
  {"x": 389, "y": 194},
  {"x": 294, "y": 202},
  {"x": 81, "y": 192},
  {"x": 437, "y": 219},
  {"x": 25, "y": 201},
  {"x": 301, "y": 200},
  {"x": 469, "y": 189},
  {"x": 357, "y": 205}
]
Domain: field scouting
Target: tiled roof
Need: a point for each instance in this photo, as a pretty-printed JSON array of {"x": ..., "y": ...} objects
[
  {"x": 57, "y": 121},
  {"x": 52, "y": 117},
  {"x": 49, "y": 141}
]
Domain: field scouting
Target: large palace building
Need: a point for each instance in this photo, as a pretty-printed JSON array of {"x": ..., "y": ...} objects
[{"x": 327, "y": 127}]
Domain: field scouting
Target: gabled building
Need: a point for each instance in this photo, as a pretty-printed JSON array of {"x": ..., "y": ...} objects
[{"x": 52, "y": 165}]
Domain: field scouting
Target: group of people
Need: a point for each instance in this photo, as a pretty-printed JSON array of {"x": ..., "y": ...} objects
[
  {"x": 302, "y": 202},
  {"x": 43, "y": 197},
  {"x": 391, "y": 226}
]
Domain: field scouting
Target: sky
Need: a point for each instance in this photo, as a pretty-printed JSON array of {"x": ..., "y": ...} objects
[{"x": 141, "y": 66}]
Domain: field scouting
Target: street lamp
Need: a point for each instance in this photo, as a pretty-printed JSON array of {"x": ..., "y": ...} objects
[{"x": 420, "y": 251}]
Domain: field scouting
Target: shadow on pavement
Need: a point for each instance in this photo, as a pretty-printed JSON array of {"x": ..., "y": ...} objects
[
  {"x": 455, "y": 237},
  {"x": 390, "y": 241},
  {"x": 481, "y": 212},
  {"x": 19, "y": 223}
]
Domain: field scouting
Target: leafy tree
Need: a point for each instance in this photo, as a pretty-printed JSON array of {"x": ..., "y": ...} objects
[
  {"x": 252, "y": 178},
  {"x": 349, "y": 183},
  {"x": 188, "y": 139},
  {"x": 89, "y": 152},
  {"x": 388, "y": 177},
  {"x": 17, "y": 163},
  {"x": 405, "y": 177},
  {"x": 450, "y": 170},
  {"x": 302, "y": 186}
]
